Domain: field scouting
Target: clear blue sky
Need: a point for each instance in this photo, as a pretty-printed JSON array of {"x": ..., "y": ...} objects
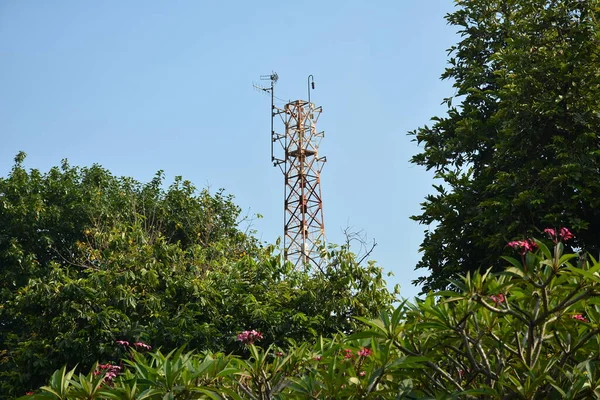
[{"x": 138, "y": 86}]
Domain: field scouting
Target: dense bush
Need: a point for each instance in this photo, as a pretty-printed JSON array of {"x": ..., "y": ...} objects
[
  {"x": 530, "y": 332},
  {"x": 87, "y": 259}
]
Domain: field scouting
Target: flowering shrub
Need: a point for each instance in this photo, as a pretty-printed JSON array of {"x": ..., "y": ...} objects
[{"x": 530, "y": 332}]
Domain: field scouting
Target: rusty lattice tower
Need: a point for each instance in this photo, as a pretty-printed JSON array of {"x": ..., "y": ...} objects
[{"x": 304, "y": 228}]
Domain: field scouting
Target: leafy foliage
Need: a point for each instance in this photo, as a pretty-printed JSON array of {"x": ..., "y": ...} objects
[
  {"x": 87, "y": 259},
  {"x": 521, "y": 151},
  {"x": 530, "y": 332}
]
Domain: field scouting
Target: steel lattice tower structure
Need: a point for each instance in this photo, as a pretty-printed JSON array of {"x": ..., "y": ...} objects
[{"x": 304, "y": 228}]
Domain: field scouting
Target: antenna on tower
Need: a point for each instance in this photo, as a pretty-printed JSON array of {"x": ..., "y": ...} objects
[
  {"x": 273, "y": 77},
  {"x": 311, "y": 84},
  {"x": 303, "y": 225}
]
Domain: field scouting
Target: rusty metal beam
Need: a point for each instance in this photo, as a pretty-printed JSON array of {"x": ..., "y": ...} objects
[{"x": 304, "y": 228}]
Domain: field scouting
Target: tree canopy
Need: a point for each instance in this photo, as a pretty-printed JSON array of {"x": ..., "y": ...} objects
[
  {"x": 528, "y": 332},
  {"x": 521, "y": 151},
  {"x": 88, "y": 259}
]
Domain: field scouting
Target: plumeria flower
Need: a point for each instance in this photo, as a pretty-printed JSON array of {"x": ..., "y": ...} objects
[
  {"x": 523, "y": 245},
  {"x": 362, "y": 373},
  {"x": 347, "y": 354},
  {"x": 142, "y": 345},
  {"x": 123, "y": 342},
  {"x": 249, "y": 337},
  {"x": 579, "y": 317},
  {"x": 564, "y": 234},
  {"x": 110, "y": 371},
  {"x": 365, "y": 352},
  {"x": 499, "y": 298},
  {"x": 551, "y": 232}
]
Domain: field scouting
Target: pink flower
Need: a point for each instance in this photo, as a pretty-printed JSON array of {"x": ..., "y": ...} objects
[
  {"x": 347, "y": 354},
  {"x": 523, "y": 245},
  {"x": 365, "y": 352},
  {"x": 362, "y": 373},
  {"x": 279, "y": 354},
  {"x": 249, "y": 337},
  {"x": 123, "y": 342},
  {"x": 497, "y": 298},
  {"x": 317, "y": 358},
  {"x": 142, "y": 345},
  {"x": 530, "y": 245},
  {"x": 551, "y": 232},
  {"x": 565, "y": 234},
  {"x": 111, "y": 371},
  {"x": 579, "y": 317}
]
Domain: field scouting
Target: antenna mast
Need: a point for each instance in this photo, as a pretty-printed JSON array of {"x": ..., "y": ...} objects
[{"x": 303, "y": 224}]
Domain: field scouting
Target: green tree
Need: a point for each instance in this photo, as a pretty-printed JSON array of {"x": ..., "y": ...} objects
[
  {"x": 88, "y": 259},
  {"x": 528, "y": 332},
  {"x": 522, "y": 150},
  {"x": 85, "y": 257}
]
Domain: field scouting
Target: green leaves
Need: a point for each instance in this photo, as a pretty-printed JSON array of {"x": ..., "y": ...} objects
[
  {"x": 88, "y": 259},
  {"x": 523, "y": 333},
  {"x": 60, "y": 384},
  {"x": 520, "y": 152}
]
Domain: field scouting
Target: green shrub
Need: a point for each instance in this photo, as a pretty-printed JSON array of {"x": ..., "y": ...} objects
[{"x": 530, "y": 332}]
